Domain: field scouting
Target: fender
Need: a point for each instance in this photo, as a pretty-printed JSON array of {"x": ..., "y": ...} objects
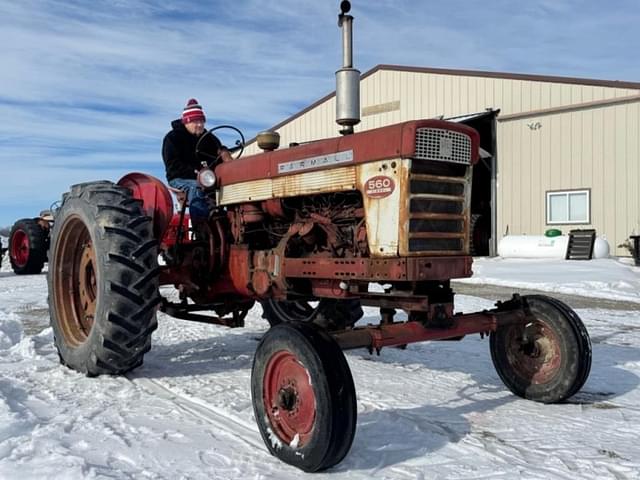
[{"x": 156, "y": 199}]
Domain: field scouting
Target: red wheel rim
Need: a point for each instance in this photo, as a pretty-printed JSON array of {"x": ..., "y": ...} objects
[
  {"x": 289, "y": 399},
  {"x": 20, "y": 248},
  {"x": 534, "y": 352}
]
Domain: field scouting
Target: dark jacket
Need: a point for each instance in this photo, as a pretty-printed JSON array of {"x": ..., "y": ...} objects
[{"x": 179, "y": 151}]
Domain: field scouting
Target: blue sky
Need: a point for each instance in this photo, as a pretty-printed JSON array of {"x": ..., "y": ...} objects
[{"x": 87, "y": 89}]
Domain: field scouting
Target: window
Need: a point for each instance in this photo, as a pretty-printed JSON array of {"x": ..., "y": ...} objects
[{"x": 570, "y": 206}]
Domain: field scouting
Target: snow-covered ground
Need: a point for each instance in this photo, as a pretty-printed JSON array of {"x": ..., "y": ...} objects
[
  {"x": 601, "y": 278},
  {"x": 434, "y": 410}
]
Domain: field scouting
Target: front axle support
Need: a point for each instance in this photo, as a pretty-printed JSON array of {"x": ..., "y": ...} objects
[{"x": 374, "y": 337}]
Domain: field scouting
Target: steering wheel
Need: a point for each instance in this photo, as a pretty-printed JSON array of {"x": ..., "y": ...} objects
[{"x": 237, "y": 149}]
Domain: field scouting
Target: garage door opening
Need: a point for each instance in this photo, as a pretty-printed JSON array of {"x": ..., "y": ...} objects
[{"x": 483, "y": 188}]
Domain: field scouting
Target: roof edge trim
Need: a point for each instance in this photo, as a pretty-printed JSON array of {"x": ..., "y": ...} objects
[{"x": 570, "y": 108}]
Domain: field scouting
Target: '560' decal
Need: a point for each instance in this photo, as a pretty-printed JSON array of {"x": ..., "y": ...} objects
[{"x": 379, "y": 186}]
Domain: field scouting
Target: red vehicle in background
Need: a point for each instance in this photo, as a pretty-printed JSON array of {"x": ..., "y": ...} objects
[{"x": 28, "y": 243}]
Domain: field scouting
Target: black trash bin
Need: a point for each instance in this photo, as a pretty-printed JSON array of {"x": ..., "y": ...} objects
[{"x": 636, "y": 248}]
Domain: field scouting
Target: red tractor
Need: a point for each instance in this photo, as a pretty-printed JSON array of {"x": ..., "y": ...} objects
[
  {"x": 29, "y": 242},
  {"x": 305, "y": 231}
]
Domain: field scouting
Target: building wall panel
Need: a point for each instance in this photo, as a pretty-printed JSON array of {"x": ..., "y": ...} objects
[
  {"x": 633, "y": 177},
  {"x": 598, "y": 201},
  {"x": 442, "y": 94},
  {"x": 596, "y": 148}
]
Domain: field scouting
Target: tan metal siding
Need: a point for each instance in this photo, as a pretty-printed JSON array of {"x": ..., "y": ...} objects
[
  {"x": 633, "y": 177},
  {"x": 597, "y": 201},
  {"x": 597, "y": 148},
  {"x": 426, "y": 95}
]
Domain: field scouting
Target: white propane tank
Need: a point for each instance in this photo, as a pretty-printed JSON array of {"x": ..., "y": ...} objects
[
  {"x": 601, "y": 248},
  {"x": 539, "y": 246}
]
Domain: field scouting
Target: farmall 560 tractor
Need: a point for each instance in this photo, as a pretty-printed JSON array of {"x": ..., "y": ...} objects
[{"x": 305, "y": 231}]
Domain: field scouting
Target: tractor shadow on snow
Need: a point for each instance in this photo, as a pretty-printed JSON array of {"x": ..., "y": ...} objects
[
  {"x": 226, "y": 351},
  {"x": 394, "y": 435}
]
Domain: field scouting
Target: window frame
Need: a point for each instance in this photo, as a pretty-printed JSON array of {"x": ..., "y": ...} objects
[{"x": 567, "y": 193}]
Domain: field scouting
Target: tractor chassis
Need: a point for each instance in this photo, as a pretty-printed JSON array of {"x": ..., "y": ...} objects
[
  {"x": 379, "y": 269},
  {"x": 186, "y": 311},
  {"x": 441, "y": 327}
]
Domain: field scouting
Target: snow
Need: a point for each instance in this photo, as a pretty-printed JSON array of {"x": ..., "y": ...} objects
[
  {"x": 434, "y": 410},
  {"x": 608, "y": 278}
]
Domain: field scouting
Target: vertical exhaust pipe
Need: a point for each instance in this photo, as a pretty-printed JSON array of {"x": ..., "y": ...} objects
[{"x": 347, "y": 78}]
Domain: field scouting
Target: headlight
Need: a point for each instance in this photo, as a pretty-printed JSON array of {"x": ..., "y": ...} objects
[{"x": 207, "y": 178}]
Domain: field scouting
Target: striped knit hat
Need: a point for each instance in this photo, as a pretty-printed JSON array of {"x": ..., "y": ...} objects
[{"x": 193, "y": 111}]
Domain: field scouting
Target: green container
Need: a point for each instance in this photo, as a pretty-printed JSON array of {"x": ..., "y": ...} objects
[{"x": 552, "y": 232}]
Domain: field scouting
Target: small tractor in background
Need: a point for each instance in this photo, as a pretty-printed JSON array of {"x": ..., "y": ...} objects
[
  {"x": 379, "y": 218},
  {"x": 29, "y": 243}
]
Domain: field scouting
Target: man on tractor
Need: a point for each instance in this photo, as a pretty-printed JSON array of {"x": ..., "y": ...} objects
[{"x": 184, "y": 149}]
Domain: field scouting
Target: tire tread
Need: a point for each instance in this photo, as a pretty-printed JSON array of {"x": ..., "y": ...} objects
[{"x": 126, "y": 312}]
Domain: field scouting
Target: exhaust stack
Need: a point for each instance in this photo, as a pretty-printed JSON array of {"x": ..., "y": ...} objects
[{"x": 347, "y": 78}]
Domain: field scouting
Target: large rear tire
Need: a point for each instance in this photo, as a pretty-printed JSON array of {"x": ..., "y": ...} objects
[
  {"x": 28, "y": 244},
  {"x": 547, "y": 360},
  {"x": 303, "y": 396},
  {"x": 327, "y": 313},
  {"x": 103, "y": 280}
]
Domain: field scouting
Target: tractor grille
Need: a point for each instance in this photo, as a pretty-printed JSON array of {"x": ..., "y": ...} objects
[
  {"x": 438, "y": 207},
  {"x": 443, "y": 145}
]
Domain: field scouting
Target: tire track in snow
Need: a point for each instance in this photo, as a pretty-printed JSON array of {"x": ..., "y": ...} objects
[
  {"x": 246, "y": 433},
  {"x": 197, "y": 408}
]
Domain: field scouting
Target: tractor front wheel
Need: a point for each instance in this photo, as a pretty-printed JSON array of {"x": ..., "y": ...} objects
[
  {"x": 103, "y": 280},
  {"x": 547, "y": 359},
  {"x": 303, "y": 396},
  {"x": 28, "y": 243}
]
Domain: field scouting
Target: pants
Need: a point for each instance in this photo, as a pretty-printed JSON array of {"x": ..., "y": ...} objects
[{"x": 196, "y": 199}]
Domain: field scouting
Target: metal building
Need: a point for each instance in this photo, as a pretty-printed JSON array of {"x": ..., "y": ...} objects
[{"x": 564, "y": 152}]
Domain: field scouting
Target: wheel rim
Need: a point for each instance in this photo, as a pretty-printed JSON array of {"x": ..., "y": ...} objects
[
  {"x": 534, "y": 352},
  {"x": 75, "y": 282},
  {"x": 289, "y": 399},
  {"x": 20, "y": 248}
]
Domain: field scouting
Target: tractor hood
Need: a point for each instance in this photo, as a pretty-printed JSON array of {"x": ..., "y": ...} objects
[{"x": 394, "y": 141}]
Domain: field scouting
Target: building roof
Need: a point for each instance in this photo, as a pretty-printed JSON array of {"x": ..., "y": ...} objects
[
  {"x": 507, "y": 76},
  {"x": 468, "y": 73}
]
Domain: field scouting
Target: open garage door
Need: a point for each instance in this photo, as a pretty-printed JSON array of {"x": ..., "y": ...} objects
[{"x": 483, "y": 190}]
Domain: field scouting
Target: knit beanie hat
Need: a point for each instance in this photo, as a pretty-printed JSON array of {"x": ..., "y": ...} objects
[{"x": 193, "y": 111}]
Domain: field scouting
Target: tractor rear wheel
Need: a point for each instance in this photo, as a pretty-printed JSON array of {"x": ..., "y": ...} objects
[
  {"x": 546, "y": 360},
  {"x": 103, "y": 280},
  {"x": 303, "y": 396},
  {"x": 28, "y": 243},
  {"x": 327, "y": 313}
]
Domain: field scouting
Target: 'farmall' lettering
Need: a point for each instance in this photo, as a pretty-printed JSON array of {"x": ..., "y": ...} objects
[
  {"x": 379, "y": 186},
  {"x": 316, "y": 162}
]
